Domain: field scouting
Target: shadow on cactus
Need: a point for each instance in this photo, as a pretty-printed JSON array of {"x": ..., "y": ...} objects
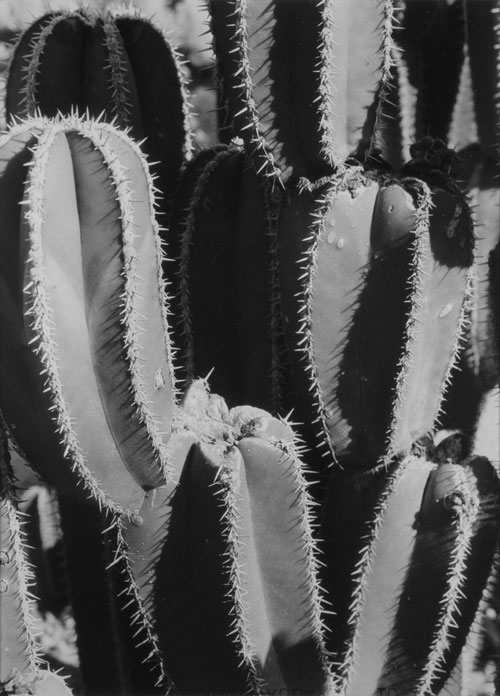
[{"x": 327, "y": 521}]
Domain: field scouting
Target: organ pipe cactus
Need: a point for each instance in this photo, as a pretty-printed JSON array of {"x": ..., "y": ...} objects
[
  {"x": 100, "y": 63},
  {"x": 311, "y": 271},
  {"x": 338, "y": 56},
  {"x": 106, "y": 441},
  {"x": 82, "y": 244}
]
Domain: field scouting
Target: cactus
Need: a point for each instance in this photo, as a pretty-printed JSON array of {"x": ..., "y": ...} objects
[
  {"x": 238, "y": 581},
  {"x": 385, "y": 248},
  {"x": 429, "y": 519},
  {"x": 231, "y": 264},
  {"x": 337, "y": 55},
  {"x": 99, "y": 64},
  {"x": 312, "y": 269},
  {"x": 22, "y": 668},
  {"x": 114, "y": 279},
  {"x": 93, "y": 300}
]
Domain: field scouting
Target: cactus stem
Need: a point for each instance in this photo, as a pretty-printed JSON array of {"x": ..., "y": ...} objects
[
  {"x": 305, "y": 347},
  {"x": 32, "y": 67},
  {"x": 275, "y": 311},
  {"x": 326, "y": 96},
  {"x": 467, "y": 518},
  {"x": 131, "y": 12},
  {"x": 313, "y": 561},
  {"x": 42, "y": 325},
  {"x": 268, "y": 164},
  {"x": 184, "y": 260},
  {"x": 364, "y": 564},
  {"x": 118, "y": 72},
  {"x": 228, "y": 478},
  {"x": 141, "y": 617},
  {"x": 24, "y": 572}
]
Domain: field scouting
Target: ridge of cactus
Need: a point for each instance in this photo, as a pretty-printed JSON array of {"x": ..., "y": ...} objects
[
  {"x": 24, "y": 654},
  {"x": 222, "y": 237},
  {"x": 457, "y": 533},
  {"x": 450, "y": 601},
  {"x": 263, "y": 362},
  {"x": 22, "y": 665},
  {"x": 42, "y": 333},
  {"x": 107, "y": 73},
  {"x": 463, "y": 127},
  {"x": 128, "y": 14},
  {"x": 411, "y": 603},
  {"x": 305, "y": 259},
  {"x": 112, "y": 86},
  {"x": 148, "y": 399},
  {"x": 175, "y": 242},
  {"x": 141, "y": 617},
  {"x": 406, "y": 98},
  {"x": 25, "y": 64},
  {"x": 230, "y": 573},
  {"x": 310, "y": 138},
  {"x": 239, "y": 627},
  {"x": 416, "y": 324},
  {"x": 410, "y": 236},
  {"x": 283, "y": 456},
  {"x": 482, "y": 353},
  {"x": 229, "y": 24},
  {"x": 375, "y": 130},
  {"x": 375, "y": 575},
  {"x": 198, "y": 203}
]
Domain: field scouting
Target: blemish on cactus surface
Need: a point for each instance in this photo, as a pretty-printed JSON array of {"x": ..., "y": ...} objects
[
  {"x": 159, "y": 381},
  {"x": 445, "y": 311}
]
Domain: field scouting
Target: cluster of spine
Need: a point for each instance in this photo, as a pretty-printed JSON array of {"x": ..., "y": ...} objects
[{"x": 307, "y": 275}]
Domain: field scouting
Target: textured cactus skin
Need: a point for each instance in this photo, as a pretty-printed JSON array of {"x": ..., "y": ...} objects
[
  {"x": 224, "y": 272},
  {"x": 205, "y": 280},
  {"x": 381, "y": 244},
  {"x": 21, "y": 664},
  {"x": 241, "y": 591},
  {"x": 99, "y": 64},
  {"x": 394, "y": 629}
]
